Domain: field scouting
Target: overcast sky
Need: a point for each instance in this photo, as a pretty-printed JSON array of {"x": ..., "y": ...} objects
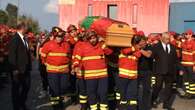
[{"x": 44, "y": 10}]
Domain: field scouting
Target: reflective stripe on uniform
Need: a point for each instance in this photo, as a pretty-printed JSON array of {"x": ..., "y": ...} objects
[
  {"x": 83, "y": 101},
  {"x": 123, "y": 102},
  {"x": 54, "y": 98},
  {"x": 103, "y": 105},
  {"x": 54, "y": 102},
  {"x": 93, "y": 107},
  {"x": 43, "y": 54},
  {"x": 191, "y": 92},
  {"x": 192, "y": 85},
  {"x": 186, "y": 83},
  {"x": 129, "y": 57},
  {"x": 118, "y": 96},
  {"x": 187, "y": 63},
  {"x": 57, "y": 54},
  {"x": 56, "y": 68},
  {"x": 95, "y": 71},
  {"x": 133, "y": 102},
  {"x": 96, "y": 74},
  {"x": 78, "y": 57},
  {"x": 126, "y": 72},
  {"x": 187, "y": 53},
  {"x": 82, "y": 97},
  {"x": 92, "y": 57}
]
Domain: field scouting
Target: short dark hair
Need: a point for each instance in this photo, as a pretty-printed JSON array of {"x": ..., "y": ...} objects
[
  {"x": 21, "y": 26},
  {"x": 136, "y": 39}
]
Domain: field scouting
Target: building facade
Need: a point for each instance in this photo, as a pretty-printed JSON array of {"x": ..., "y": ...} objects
[
  {"x": 182, "y": 16},
  {"x": 151, "y": 16}
]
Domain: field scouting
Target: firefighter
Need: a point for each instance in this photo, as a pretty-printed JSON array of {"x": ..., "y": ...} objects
[
  {"x": 113, "y": 79},
  {"x": 81, "y": 84},
  {"x": 42, "y": 68},
  {"x": 55, "y": 54},
  {"x": 71, "y": 38},
  {"x": 188, "y": 59},
  {"x": 128, "y": 74},
  {"x": 175, "y": 40},
  {"x": 4, "y": 50},
  {"x": 145, "y": 65},
  {"x": 92, "y": 56},
  {"x": 72, "y": 34}
]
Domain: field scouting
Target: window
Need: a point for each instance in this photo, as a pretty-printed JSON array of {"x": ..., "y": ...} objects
[
  {"x": 189, "y": 24},
  {"x": 112, "y": 11},
  {"x": 134, "y": 14},
  {"x": 90, "y": 10}
]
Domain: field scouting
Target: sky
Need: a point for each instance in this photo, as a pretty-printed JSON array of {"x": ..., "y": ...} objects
[{"x": 45, "y": 11}]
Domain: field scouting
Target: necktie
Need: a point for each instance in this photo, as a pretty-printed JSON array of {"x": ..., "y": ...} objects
[
  {"x": 25, "y": 42},
  {"x": 167, "y": 50}
]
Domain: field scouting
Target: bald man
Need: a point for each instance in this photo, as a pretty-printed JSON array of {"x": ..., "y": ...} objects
[{"x": 166, "y": 61}]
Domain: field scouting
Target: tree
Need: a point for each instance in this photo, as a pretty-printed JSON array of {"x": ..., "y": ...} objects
[
  {"x": 32, "y": 23},
  {"x": 14, "y": 18},
  {"x": 4, "y": 17},
  {"x": 12, "y": 11}
]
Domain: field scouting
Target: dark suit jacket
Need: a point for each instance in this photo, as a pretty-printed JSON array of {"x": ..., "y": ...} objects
[
  {"x": 19, "y": 56},
  {"x": 164, "y": 63}
]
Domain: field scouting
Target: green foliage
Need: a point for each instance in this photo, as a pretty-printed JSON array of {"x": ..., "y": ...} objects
[
  {"x": 11, "y": 18},
  {"x": 33, "y": 24},
  {"x": 12, "y": 10},
  {"x": 3, "y": 17}
]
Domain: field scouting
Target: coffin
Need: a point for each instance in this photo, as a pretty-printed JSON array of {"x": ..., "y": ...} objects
[{"x": 116, "y": 33}]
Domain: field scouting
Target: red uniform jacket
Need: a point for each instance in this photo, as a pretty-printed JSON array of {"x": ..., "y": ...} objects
[
  {"x": 188, "y": 53},
  {"x": 92, "y": 59},
  {"x": 128, "y": 60},
  {"x": 56, "y": 57}
]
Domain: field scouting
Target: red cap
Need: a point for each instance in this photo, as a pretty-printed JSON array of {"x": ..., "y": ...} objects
[
  {"x": 71, "y": 28},
  {"x": 189, "y": 31},
  {"x": 141, "y": 33},
  {"x": 172, "y": 33}
]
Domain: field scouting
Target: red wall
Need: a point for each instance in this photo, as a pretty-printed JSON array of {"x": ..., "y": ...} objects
[{"x": 152, "y": 15}]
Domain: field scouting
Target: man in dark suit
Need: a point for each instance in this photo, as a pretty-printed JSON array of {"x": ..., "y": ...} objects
[
  {"x": 20, "y": 63},
  {"x": 166, "y": 61}
]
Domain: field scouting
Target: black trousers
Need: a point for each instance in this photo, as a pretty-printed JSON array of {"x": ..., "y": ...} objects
[
  {"x": 128, "y": 91},
  {"x": 144, "y": 81},
  {"x": 20, "y": 88},
  {"x": 168, "y": 90},
  {"x": 43, "y": 74},
  {"x": 112, "y": 87},
  {"x": 58, "y": 83},
  {"x": 189, "y": 80},
  {"x": 97, "y": 90},
  {"x": 82, "y": 92}
]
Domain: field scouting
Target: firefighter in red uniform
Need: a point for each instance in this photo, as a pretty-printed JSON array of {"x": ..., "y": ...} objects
[
  {"x": 42, "y": 68},
  {"x": 72, "y": 39},
  {"x": 176, "y": 41},
  {"x": 128, "y": 74},
  {"x": 72, "y": 34},
  {"x": 4, "y": 50},
  {"x": 81, "y": 84},
  {"x": 55, "y": 54},
  {"x": 188, "y": 62},
  {"x": 113, "y": 79},
  {"x": 94, "y": 70}
]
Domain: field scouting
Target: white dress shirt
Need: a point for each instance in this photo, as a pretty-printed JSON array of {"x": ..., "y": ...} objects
[
  {"x": 164, "y": 47},
  {"x": 22, "y": 37}
]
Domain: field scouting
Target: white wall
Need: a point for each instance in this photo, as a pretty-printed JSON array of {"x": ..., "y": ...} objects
[{"x": 182, "y": 0}]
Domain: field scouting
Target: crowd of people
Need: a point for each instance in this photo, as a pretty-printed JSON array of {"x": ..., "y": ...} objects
[{"x": 77, "y": 64}]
